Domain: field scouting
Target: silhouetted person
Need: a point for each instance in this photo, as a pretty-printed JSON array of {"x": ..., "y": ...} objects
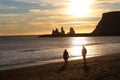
[
  {"x": 84, "y": 52},
  {"x": 65, "y": 56}
]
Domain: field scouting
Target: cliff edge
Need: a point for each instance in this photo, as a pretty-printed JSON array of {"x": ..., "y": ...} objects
[{"x": 109, "y": 25}]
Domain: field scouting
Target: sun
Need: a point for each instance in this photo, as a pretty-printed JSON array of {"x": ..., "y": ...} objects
[{"x": 79, "y": 8}]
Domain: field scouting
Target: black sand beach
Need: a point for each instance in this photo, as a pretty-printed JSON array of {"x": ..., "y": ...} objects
[{"x": 98, "y": 68}]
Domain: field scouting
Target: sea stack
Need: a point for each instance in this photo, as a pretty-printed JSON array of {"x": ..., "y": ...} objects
[{"x": 109, "y": 25}]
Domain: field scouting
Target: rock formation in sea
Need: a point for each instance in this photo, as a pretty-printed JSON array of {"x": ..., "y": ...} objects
[
  {"x": 62, "y": 31},
  {"x": 109, "y": 25},
  {"x": 72, "y": 32},
  {"x": 56, "y": 33}
]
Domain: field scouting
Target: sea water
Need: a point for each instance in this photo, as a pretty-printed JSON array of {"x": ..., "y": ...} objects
[{"x": 23, "y": 50}]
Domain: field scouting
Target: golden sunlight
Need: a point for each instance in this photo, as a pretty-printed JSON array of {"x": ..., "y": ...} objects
[
  {"x": 79, "y": 8},
  {"x": 76, "y": 50},
  {"x": 79, "y": 41},
  {"x": 77, "y": 44}
]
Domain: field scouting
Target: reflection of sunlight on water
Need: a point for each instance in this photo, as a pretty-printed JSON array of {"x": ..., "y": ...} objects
[
  {"x": 79, "y": 41},
  {"x": 76, "y": 47},
  {"x": 76, "y": 44},
  {"x": 75, "y": 51}
]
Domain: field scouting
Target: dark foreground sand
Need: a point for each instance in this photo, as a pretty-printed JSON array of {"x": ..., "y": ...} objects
[{"x": 99, "y": 68}]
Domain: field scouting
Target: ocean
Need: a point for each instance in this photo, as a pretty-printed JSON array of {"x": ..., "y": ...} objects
[{"x": 26, "y": 51}]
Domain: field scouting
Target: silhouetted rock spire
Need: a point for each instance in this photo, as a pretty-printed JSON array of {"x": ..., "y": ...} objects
[
  {"x": 72, "y": 31},
  {"x": 56, "y": 33},
  {"x": 62, "y": 31}
]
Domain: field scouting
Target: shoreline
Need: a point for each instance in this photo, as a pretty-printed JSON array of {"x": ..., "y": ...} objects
[
  {"x": 47, "y": 62},
  {"x": 105, "y": 67},
  {"x": 38, "y": 63},
  {"x": 34, "y": 63}
]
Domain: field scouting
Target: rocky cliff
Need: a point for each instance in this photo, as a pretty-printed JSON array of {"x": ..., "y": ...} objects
[{"x": 109, "y": 25}]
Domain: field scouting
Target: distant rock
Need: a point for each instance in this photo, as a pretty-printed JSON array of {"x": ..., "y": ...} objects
[
  {"x": 56, "y": 33},
  {"x": 62, "y": 31},
  {"x": 72, "y": 32},
  {"x": 109, "y": 25}
]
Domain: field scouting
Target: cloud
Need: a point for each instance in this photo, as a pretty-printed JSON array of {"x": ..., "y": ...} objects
[
  {"x": 45, "y": 12},
  {"x": 9, "y": 15},
  {"x": 7, "y": 7},
  {"x": 36, "y": 23},
  {"x": 29, "y": 1},
  {"x": 8, "y": 19},
  {"x": 108, "y": 1},
  {"x": 44, "y": 1},
  {"x": 40, "y": 11},
  {"x": 46, "y": 4},
  {"x": 102, "y": 6},
  {"x": 57, "y": 17}
]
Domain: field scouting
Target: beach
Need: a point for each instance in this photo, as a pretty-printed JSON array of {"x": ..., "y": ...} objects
[{"x": 105, "y": 67}]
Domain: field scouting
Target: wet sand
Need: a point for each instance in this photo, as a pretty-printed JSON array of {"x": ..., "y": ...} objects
[{"x": 105, "y": 67}]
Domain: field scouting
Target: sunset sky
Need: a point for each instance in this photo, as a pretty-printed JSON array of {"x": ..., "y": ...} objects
[{"x": 31, "y": 17}]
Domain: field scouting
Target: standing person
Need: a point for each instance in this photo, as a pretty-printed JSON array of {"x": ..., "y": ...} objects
[
  {"x": 65, "y": 56},
  {"x": 84, "y": 51},
  {"x": 85, "y": 67}
]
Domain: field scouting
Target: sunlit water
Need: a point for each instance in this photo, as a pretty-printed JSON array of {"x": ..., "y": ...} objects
[{"x": 24, "y": 50}]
